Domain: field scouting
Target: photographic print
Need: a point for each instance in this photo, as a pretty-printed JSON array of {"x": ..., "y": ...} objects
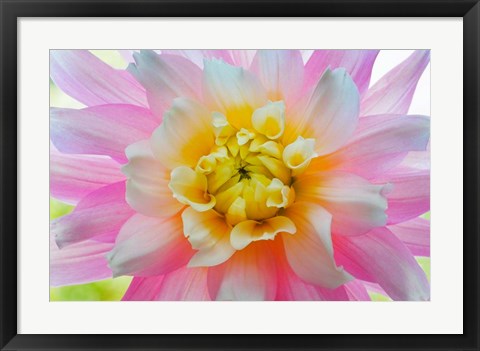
[{"x": 240, "y": 175}]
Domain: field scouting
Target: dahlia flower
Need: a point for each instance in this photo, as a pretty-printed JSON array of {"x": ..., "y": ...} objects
[{"x": 241, "y": 175}]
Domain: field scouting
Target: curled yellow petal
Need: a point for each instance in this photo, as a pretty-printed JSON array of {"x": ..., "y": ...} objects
[
  {"x": 236, "y": 212},
  {"x": 244, "y": 136},
  {"x": 279, "y": 195},
  {"x": 297, "y": 155},
  {"x": 206, "y": 164},
  {"x": 271, "y": 148},
  {"x": 257, "y": 142},
  {"x": 233, "y": 146},
  {"x": 224, "y": 172},
  {"x": 277, "y": 168},
  {"x": 219, "y": 120},
  {"x": 269, "y": 120},
  {"x": 222, "y": 129},
  {"x": 255, "y": 195},
  {"x": 190, "y": 188},
  {"x": 227, "y": 197},
  {"x": 248, "y": 231}
]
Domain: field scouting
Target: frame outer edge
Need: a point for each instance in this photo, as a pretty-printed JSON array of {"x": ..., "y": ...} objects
[
  {"x": 471, "y": 166},
  {"x": 9, "y": 340},
  {"x": 8, "y": 173}
]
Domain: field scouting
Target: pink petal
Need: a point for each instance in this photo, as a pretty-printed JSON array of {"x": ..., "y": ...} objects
[
  {"x": 194, "y": 56},
  {"x": 329, "y": 114},
  {"x": 393, "y": 93},
  {"x": 356, "y": 205},
  {"x": 309, "y": 251},
  {"x": 148, "y": 246},
  {"x": 281, "y": 73},
  {"x": 79, "y": 263},
  {"x": 89, "y": 80},
  {"x": 417, "y": 159},
  {"x": 358, "y": 63},
  {"x": 374, "y": 287},
  {"x": 100, "y": 130},
  {"x": 379, "y": 144},
  {"x": 184, "y": 284},
  {"x": 388, "y": 261},
  {"x": 243, "y": 58},
  {"x": 356, "y": 291},
  {"x": 166, "y": 77},
  {"x": 249, "y": 275},
  {"x": 198, "y": 56},
  {"x": 143, "y": 288},
  {"x": 147, "y": 185},
  {"x": 127, "y": 55},
  {"x": 415, "y": 234},
  {"x": 72, "y": 177},
  {"x": 224, "y": 55},
  {"x": 410, "y": 196},
  {"x": 352, "y": 267},
  {"x": 306, "y": 54},
  {"x": 100, "y": 214},
  {"x": 291, "y": 288}
]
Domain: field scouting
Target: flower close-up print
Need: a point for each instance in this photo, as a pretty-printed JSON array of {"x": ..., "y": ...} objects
[{"x": 238, "y": 175}]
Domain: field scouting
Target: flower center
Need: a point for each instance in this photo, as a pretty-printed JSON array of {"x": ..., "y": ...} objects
[{"x": 249, "y": 172}]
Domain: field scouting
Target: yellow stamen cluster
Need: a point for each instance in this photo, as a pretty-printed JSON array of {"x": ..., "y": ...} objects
[{"x": 249, "y": 172}]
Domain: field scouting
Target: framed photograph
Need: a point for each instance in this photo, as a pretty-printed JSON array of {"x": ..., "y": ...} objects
[{"x": 224, "y": 175}]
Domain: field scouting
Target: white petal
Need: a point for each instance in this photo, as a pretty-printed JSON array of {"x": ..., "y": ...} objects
[
  {"x": 310, "y": 251},
  {"x": 329, "y": 115},
  {"x": 209, "y": 233},
  {"x": 232, "y": 91},
  {"x": 356, "y": 205},
  {"x": 281, "y": 72},
  {"x": 185, "y": 135},
  {"x": 147, "y": 185}
]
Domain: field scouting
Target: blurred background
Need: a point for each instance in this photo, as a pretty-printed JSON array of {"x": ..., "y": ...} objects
[{"x": 113, "y": 289}]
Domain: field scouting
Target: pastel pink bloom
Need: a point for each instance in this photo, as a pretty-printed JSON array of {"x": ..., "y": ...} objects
[{"x": 241, "y": 175}]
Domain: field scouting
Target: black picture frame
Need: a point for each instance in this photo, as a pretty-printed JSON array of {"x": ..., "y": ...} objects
[{"x": 11, "y": 10}]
